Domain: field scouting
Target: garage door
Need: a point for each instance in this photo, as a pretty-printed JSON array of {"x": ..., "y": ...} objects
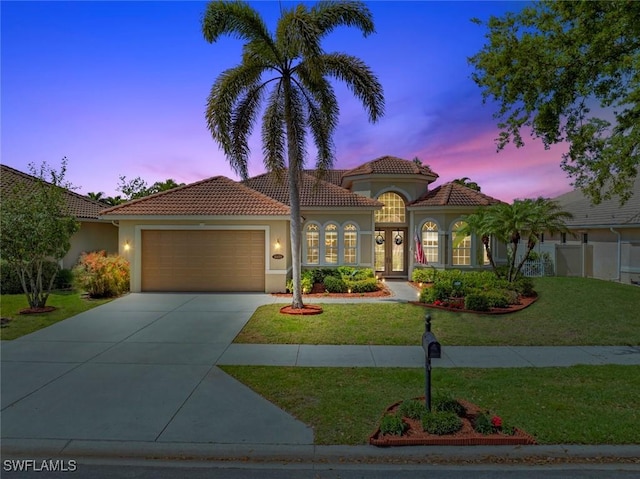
[{"x": 186, "y": 260}]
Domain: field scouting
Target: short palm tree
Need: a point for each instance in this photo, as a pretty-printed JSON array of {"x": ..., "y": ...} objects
[
  {"x": 290, "y": 72},
  {"x": 510, "y": 223},
  {"x": 478, "y": 224}
]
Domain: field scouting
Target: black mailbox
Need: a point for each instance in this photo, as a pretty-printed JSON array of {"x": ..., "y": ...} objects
[{"x": 430, "y": 345}]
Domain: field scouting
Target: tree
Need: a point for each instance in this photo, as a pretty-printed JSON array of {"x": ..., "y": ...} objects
[
  {"x": 549, "y": 65},
  {"x": 290, "y": 71},
  {"x": 523, "y": 219},
  {"x": 137, "y": 188},
  {"x": 466, "y": 181},
  {"x": 99, "y": 196},
  {"x": 478, "y": 224},
  {"x": 36, "y": 228}
]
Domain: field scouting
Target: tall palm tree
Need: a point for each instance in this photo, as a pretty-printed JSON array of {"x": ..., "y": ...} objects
[{"x": 290, "y": 71}]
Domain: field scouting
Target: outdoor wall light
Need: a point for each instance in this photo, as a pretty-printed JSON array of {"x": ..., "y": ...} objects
[
  {"x": 127, "y": 246},
  {"x": 277, "y": 245}
]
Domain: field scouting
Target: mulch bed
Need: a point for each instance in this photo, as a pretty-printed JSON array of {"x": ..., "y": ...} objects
[
  {"x": 306, "y": 310},
  {"x": 318, "y": 291},
  {"x": 46, "y": 309},
  {"x": 465, "y": 436}
]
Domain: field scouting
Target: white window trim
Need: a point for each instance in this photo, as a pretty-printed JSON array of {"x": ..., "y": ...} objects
[
  {"x": 341, "y": 246},
  {"x": 440, "y": 237},
  {"x": 321, "y": 244},
  {"x": 472, "y": 255}
]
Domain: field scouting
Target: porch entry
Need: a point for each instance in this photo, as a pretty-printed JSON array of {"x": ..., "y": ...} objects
[{"x": 391, "y": 252}]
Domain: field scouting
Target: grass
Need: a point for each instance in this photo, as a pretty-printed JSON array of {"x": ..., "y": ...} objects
[
  {"x": 574, "y": 405},
  {"x": 569, "y": 311},
  {"x": 69, "y": 303}
]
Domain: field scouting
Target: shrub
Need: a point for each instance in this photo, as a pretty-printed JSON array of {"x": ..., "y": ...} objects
[
  {"x": 424, "y": 275},
  {"x": 64, "y": 279},
  {"x": 524, "y": 286},
  {"x": 441, "y": 422},
  {"x": 334, "y": 285},
  {"x": 10, "y": 281},
  {"x": 447, "y": 404},
  {"x": 362, "y": 286},
  {"x": 476, "y": 302},
  {"x": 497, "y": 298},
  {"x": 482, "y": 424},
  {"x": 101, "y": 275},
  {"x": 391, "y": 424},
  {"x": 306, "y": 282},
  {"x": 412, "y": 408}
]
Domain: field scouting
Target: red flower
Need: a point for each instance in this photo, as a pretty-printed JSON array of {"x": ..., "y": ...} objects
[
  {"x": 437, "y": 302},
  {"x": 496, "y": 421}
]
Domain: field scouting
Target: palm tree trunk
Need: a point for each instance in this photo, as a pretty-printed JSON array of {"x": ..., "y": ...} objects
[
  {"x": 296, "y": 232},
  {"x": 294, "y": 197}
]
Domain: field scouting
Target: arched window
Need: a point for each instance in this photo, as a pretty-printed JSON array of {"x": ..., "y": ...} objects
[
  {"x": 430, "y": 241},
  {"x": 461, "y": 250},
  {"x": 350, "y": 238},
  {"x": 331, "y": 244},
  {"x": 393, "y": 210},
  {"x": 312, "y": 243}
]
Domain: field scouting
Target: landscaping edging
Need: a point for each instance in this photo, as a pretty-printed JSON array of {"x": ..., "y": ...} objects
[
  {"x": 466, "y": 436},
  {"x": 307, "y": 310},
  {"x": 525, "y": 303}
]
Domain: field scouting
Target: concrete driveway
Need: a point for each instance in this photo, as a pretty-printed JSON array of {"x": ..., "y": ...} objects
[{"x": 140, "y": 368}]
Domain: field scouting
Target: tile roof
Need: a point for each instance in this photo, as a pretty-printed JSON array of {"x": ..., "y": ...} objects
[
  {"x": 79, "y": 206},
  {"x": 331, "y": 176},
  {"x": 313, "y": 193},
  {"x": 454, "y": 194},
  {"x": 391, "y": 165},
  {"x": 607, "y": 213},
  {"x": 217, "y": 196}
]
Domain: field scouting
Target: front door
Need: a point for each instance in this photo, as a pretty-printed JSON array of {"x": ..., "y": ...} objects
[{"x": 391, "y": 252}]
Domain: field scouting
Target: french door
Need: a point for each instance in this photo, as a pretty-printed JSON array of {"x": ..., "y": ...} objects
[{"x": 390, "y": 251}]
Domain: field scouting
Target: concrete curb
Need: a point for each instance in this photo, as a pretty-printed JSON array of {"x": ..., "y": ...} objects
[{"x": 260, "y": 453}]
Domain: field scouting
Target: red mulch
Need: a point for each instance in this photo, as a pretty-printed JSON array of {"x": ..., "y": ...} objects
[
  {"x": 306, "y": 310},
  {"x": 465, "y": 436}
]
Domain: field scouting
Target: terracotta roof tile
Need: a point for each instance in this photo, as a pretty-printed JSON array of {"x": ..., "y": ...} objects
[
  {"x": 217, "y": 196},
  {"x": 331, "y": 176},
  {"x": 79, "y": 206},
  {"x": 313, "y": 193},
  {"x": 454, "y": 194},
  {"x": 391, "y": 165}
]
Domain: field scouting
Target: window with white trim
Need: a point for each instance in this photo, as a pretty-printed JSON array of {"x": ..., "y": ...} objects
[
  {"x": 331, "y": 244},
  {"x": 430, "y": 241},
  {"x": 312, "y": 240},
  {"x": 460, "y": 254},
  {"x": 350, "y": 241}
]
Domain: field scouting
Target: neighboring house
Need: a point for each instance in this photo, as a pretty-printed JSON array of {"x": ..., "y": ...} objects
[
  {"x": 604, "y": 241},
  {"x": 222, "y": 235},
  {"x": 94, "y": 234}
]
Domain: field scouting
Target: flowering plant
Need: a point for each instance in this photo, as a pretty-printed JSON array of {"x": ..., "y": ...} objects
[{"x": 496, "y": 421}]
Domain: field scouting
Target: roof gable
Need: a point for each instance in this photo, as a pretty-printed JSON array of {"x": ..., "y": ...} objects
[
  {"x": 79, "y": 206},
  {"x": 454, "y": 194},
  {"x": 313, "y": 192},
  {"x": 217, "y": 196}
]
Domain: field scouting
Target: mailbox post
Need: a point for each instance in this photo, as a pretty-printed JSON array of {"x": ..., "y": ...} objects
[{"x": 431, "y": 350}]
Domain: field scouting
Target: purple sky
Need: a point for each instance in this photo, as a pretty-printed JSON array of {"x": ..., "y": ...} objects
[{"x": 120, "y": 87}]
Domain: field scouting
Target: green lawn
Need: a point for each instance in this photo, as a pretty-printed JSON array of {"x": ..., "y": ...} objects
[
  {"x": 575, "y": 405},
  {"x": 569, "y": 311},
  {"x": 69, "y": 303}
]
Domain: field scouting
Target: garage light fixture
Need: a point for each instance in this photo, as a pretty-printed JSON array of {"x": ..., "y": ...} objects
[
  {"x": 126, "y": 245},
  {"x": 277, "y": 245}
]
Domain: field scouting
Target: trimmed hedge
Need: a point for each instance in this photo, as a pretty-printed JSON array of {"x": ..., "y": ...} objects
[{"x": 335, "y": 285}]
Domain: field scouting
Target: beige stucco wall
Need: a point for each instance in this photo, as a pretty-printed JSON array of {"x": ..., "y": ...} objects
[
  {"x": 92, "y": 236},
  {"x": 410, "y": 189},
  {"x": 275, "y": 230}
]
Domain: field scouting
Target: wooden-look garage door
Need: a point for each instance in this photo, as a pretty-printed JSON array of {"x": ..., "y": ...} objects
[{"x": 212, "y": 260}]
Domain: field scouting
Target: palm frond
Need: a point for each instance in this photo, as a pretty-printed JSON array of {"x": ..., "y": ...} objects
[
  {"x": 273, "y": 131},
  {"x": 298, "y": 35},
  {"x": 237, "y": 19},
  {"x": 359, "y": 79},
  {"x": 331, "y": 14}
]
